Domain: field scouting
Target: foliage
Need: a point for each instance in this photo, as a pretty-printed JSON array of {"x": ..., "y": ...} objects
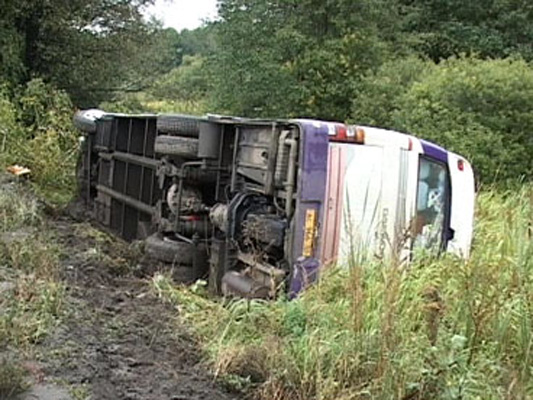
[
  {"x": 445, "y": 328},
  {"x": 29, "y": 258},
  {"x": 88, "y": 48},
  {"x": 37, "y": 132},
  {"x": 306, "y": 58},
  {"x": 189, "y": 82},
  {"x": 287, "y": 58},
  {"x": 198, "y": 42},
  {"x": 12, "y": 378},
  {"x": 477, "y": 108},
  {"x": 248, "y": 77},
  {"x": 481, "y": 109},
  {"x": 490, "y": 29},
  {"x": 182, "y": 90},
  {"x": 165, "y": 52},
  {"x": 379, "y": 95}
]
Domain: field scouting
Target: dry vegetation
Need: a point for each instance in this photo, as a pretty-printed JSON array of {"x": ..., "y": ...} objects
[{"x": 31, "y": 296}]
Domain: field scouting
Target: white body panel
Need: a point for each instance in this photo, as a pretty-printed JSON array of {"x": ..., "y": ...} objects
[
  {"x": 374, "y": 195},
  {"x": 462, "y": 206}
]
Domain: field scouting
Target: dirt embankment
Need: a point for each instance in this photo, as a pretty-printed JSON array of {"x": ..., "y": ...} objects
[{"x": 118, "y": 341}]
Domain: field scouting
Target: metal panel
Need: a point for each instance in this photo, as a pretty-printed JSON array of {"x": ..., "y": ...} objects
[
  {"x": 253, "y": 153},
  {"x": 137, "y": 135},
  {"x": 121, "y": 134},
  {"x": 333, "y": 204},
  {"x": 312, "y": 180},
  {"x": 124, "y": 158},
  {"x": 103, "y": 134}
]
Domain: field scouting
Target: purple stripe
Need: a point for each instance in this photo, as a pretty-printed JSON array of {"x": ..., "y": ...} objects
[
  {"x": 314, "y": 162},
  {"x": 312, "y": 180},
  {"x": 434, "y": 151}
]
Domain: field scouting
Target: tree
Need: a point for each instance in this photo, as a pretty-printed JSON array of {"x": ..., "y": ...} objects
[
  {"x": 478, "y": 108},
  {"x": 489, "y": 28},
  {"x": 11, "y": 44},
  {"x": 380, "y": 94},
  {"x": 287, "y": 58},
  {"x": 250, "y": 74},
  {"x": 91, "y": 48},
  {"x": 200, "y": 41}
]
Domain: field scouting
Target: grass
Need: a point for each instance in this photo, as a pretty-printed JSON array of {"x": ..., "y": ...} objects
[
  {"x": 37, "y": 132},
  {"x": 12, "y": 379},
  {"x": 32, "y": 300},
  {"x": 444, "y": 328}
]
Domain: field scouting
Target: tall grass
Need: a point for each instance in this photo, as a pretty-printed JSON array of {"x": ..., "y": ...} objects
[
  {"x": 444, "y": 328},
  {"x": 29, "y": 261},
  {"x": 36, "y": 131}
]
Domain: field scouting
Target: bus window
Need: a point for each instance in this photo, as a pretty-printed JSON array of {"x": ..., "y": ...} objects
[{"x": 432, "y": 205}]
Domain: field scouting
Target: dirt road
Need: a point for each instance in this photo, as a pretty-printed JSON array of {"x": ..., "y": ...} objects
[{"x": 118, "y": 341}]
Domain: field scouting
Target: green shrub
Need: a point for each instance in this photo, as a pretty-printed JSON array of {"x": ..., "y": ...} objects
[
  {"x": 478, "y": 108},
  {"x": 182, "y": 90},
  {"x": 378, "y": 96},
  {"x": 37, "y": 132},
  {"x": 481, "y": 109},
  {"x": 13, "y": 378},
  {"x": 10, "y": 130},
  {"x": 29, "y": 260},
  {"x": 188, "y": 82}
]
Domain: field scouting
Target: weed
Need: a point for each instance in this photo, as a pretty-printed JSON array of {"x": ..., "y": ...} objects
[
  {"x": 79, "y": 392},
  {"x": 12, "y": 379},
  {"x": 18, "y": 209},
  {"x": 29, "y": 259},
  {"x": 40, "y": 135}
]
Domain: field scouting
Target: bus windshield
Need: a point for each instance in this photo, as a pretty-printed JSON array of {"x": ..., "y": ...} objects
[{"x": 432, "y": 205}]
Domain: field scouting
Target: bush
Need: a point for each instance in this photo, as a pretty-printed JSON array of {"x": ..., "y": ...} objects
[
  {"x": 10, "y": 130},
  {"x": 481, "y": 109},
  {"x": 29, "y": 261},
  {"x": 37, "y": 132},
  {"x": 478, "y": 108},
  {"x": 182, "y": 90},
  {"x": 188, "y": 82},
  {"x": 379, "y": 95}
]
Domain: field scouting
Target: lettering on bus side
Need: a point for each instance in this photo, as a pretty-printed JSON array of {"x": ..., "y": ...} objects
[{"x": 383, "y": 234}]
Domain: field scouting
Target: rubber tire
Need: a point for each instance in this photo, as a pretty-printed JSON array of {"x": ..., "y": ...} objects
[
  {"x": 169, "y": 251},
  {"x": 183, "y": 125},
  {"x": 176, "y": 146},
  {"x": 184, "y": 275}
]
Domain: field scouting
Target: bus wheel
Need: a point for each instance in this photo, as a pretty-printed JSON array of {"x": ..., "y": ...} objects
[
  {"x": 176, "y": 146},
  {"x": 183, "y": 125},
  {"x": 169, "y": 250}
]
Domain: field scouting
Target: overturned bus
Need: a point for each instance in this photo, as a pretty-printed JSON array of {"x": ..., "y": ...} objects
[{"x": 258, "y": 206}]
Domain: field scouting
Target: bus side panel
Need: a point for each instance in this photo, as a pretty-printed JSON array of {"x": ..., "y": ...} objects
[
  {"x": 462, "y": 205},
  {"x": 333, "y": 207},
  {"x": 306, "y": 228},
  {"x": 354, "y": 202}
]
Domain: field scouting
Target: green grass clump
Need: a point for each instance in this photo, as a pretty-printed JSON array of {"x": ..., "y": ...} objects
[
  {"x": 443, "y": 328},
  {"x": 12, "y": 379},
  {"x": 36, "y": 131},
  {"x": 32, "y": 301},
  {"x": 18, "y": 208}
]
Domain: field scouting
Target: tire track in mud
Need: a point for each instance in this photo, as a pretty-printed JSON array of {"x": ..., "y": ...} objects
[{"x": 119, "y": 341}]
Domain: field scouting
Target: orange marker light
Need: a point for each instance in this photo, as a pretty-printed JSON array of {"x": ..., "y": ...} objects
[{"x": 360, "y": 135}]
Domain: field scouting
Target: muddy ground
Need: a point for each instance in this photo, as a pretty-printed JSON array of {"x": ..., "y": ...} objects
[{"x": 118, "y": 341}]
